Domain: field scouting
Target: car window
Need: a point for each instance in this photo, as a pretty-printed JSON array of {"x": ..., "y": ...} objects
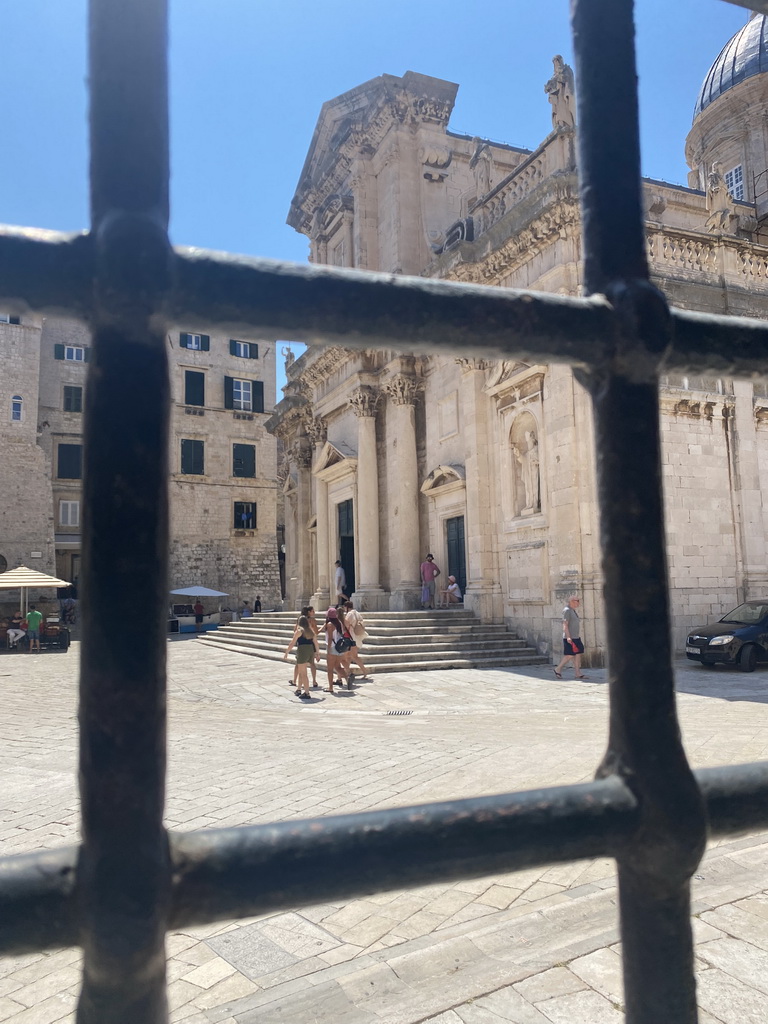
[{"x": 746, "y": 614}]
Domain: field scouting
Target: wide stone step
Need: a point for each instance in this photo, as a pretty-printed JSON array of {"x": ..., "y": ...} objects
[
  {"x": 408, "y": 653},
  {"x": 479, "y": 635},
  {"x": 527, "y": 657},
  {"x": 396, "y": 641}
]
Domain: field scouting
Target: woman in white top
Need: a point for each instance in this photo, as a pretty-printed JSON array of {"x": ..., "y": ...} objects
[{"x": 451, "y": 594}]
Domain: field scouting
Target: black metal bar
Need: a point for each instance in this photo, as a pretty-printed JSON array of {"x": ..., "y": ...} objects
[
  {"x": 53, "y": 274},
  {"x": 644, "y": 743},
  {"x": 230, "y": 873},
  {"x": 123, "y": 873}
]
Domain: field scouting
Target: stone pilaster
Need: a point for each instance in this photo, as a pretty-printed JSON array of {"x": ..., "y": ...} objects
[
  {"x": 301, "y": 455},
  {"x": 368, "y": 593},
  {"x": 403, "y": 391},
  {"x": 483, "y": 593},
  {"x": 321, "y": 598}
]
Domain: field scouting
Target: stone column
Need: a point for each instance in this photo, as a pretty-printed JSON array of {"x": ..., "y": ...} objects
[
  {"x": 483, "y": 594},
  {"x": 406, "y": 552},
  {"x": 321, "y": 598},
  {"x": 368, "y": 594},
  {"x": 302, "y": 456}
]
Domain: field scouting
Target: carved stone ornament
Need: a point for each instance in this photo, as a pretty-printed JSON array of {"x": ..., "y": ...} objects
[
  {"x": 301, "y": 454},
  {"x": 364, "y": 401},
  {"x": 317, "y": 430},
  {"x": 402, "y": 389},
  {"x": 474, "y": 364}
]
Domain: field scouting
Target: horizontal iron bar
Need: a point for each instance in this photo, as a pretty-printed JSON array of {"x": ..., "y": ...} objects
[
  {"x": 52, "y": 273},
  {"x": 239, "y": 872}
]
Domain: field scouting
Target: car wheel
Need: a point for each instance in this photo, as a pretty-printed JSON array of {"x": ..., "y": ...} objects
[{"x": 748, "y": 658}]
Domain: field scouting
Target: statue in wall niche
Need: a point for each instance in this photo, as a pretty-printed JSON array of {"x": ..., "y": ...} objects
[
  {"x": 482, "y": 165},
  {"x": 560, "y": 90},
  {"x": 527, "y": 454}
]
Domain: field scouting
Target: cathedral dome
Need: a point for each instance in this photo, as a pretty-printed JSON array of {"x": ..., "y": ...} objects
[{"x": 744, "y": 55}]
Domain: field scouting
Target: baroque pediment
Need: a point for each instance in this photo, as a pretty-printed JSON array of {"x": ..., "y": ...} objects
[
  {"x": 444, "y": 478},
  {"x": 335, "y": 460}
]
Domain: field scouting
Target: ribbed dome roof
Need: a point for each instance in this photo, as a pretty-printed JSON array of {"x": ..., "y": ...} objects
[{"x": 743, "y": 56}]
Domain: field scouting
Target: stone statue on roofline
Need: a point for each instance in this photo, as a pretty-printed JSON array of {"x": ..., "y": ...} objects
[
  {"x": 561, "y": 92},
  {"x": 288, "y": 356},
  {"x": 481, "y": 164},
  {"x": 720, "y": 204}
]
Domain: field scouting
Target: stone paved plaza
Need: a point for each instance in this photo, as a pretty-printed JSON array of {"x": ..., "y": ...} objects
[{"x": 531, "y": 947}]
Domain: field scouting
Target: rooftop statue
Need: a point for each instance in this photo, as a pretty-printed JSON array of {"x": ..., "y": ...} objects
[{"x": 561, "y": 92}]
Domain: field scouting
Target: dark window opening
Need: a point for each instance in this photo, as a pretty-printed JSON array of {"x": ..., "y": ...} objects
[
  {"x": 245, "y": 515},
  {"x": 243, "y": 460},
  {"x": 73, "y": 398},
  {"x": 192, "y": 457},
  {"x": 194, "y": 387},
  {"x": 70, "y": 462}
]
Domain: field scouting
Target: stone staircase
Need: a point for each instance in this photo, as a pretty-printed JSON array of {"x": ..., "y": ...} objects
[{"x": 396, "y": 642}]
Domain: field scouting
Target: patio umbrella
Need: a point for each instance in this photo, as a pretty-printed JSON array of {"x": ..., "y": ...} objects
[
  {"x": 23, "y": 578},
  {"x": 199, "y": 592}
]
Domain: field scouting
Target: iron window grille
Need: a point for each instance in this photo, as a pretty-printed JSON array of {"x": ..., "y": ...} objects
[{"x": 129, "y": 881}]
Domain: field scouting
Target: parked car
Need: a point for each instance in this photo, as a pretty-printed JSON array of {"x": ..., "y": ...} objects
[{"x": 739, "y": 638}]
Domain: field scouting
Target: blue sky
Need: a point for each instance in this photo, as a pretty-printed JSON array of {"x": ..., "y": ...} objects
[{"x": 248, "y": 78}]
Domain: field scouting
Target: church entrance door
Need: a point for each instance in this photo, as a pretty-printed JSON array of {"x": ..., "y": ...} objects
[
  {"x": 457, "y": 559},
  {"x": 347, "y": 542}
]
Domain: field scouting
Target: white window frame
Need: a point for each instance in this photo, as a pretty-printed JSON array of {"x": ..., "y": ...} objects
[
  {"x": 195, "y": 342},
  {"x": 17, "y": 409},
  {"x": 243, "y": 349},
  {"x": 69, "y": 513},
  {"x": 734, "y": 181},
  {"x": 74, "y": 353},
  {"x": 242, "y": 395}
]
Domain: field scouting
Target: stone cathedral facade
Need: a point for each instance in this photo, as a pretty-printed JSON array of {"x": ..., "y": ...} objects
[{"x": 488, "y": 464}]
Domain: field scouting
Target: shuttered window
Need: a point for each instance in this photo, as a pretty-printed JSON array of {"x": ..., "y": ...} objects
[
  {"x": 192, "y": 457},
  {"x": 243, "y": 460},
  {"x": 194, "y": 387},
  {"x": 69, "y": 465}
]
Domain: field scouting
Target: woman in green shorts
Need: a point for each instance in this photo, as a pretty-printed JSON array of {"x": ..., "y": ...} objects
[{"x": 306, "y": 651}]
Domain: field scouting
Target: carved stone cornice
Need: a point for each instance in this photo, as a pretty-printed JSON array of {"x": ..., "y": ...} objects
[
  {"x": 365, "y": 400},
  {"x": 694, "y": 408},
  {"x": 761, "y": 415},
  {"x": 403, "y": 389},
  {"x": 318, "y": 371},
  {"x": 554, "y": 224},
  {"x": 467, "y": 365}
]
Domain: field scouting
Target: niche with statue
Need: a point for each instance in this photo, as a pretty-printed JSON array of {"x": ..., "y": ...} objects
[{"x": 526, "y": 477}]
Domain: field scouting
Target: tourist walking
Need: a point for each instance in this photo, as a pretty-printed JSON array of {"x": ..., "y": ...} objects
[
  {"x": 309, "y": 613},
  {"x": 307, "y": 652},
  {"x": 334, "y": 657},
  {"x": 573, "y": 648},
  {"x": 16, "y": 629},
  {"x": 429, "y": 573},
  {"x": 355, "y": 625}
]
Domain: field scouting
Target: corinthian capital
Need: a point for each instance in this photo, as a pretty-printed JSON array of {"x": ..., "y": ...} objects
[
  {"x": 317, "y": 430},
  {"x": 402, "y": 389},
  {"x": 365, "y": 401},
  {"x": 301, "y": 454}
]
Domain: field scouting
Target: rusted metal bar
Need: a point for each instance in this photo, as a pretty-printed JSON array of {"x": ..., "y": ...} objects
[
  {"x": 123, "y": 873},
  {"x": 644, "y": 744},
  {"x": 53, "y": 274},
  {"x": 237, "y": 872}
]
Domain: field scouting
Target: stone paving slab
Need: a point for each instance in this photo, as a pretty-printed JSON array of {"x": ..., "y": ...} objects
[{"x": 532, "y": 946}]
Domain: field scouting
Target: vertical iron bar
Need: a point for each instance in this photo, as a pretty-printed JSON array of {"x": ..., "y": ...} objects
[
  {"x": 124, "y": 868},
  {"x": 644, "y": 742}
]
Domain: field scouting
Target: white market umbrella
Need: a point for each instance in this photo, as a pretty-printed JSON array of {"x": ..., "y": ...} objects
[
  {"x": 199, "y": 592},
  {"x": 23, "y": 578}
]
